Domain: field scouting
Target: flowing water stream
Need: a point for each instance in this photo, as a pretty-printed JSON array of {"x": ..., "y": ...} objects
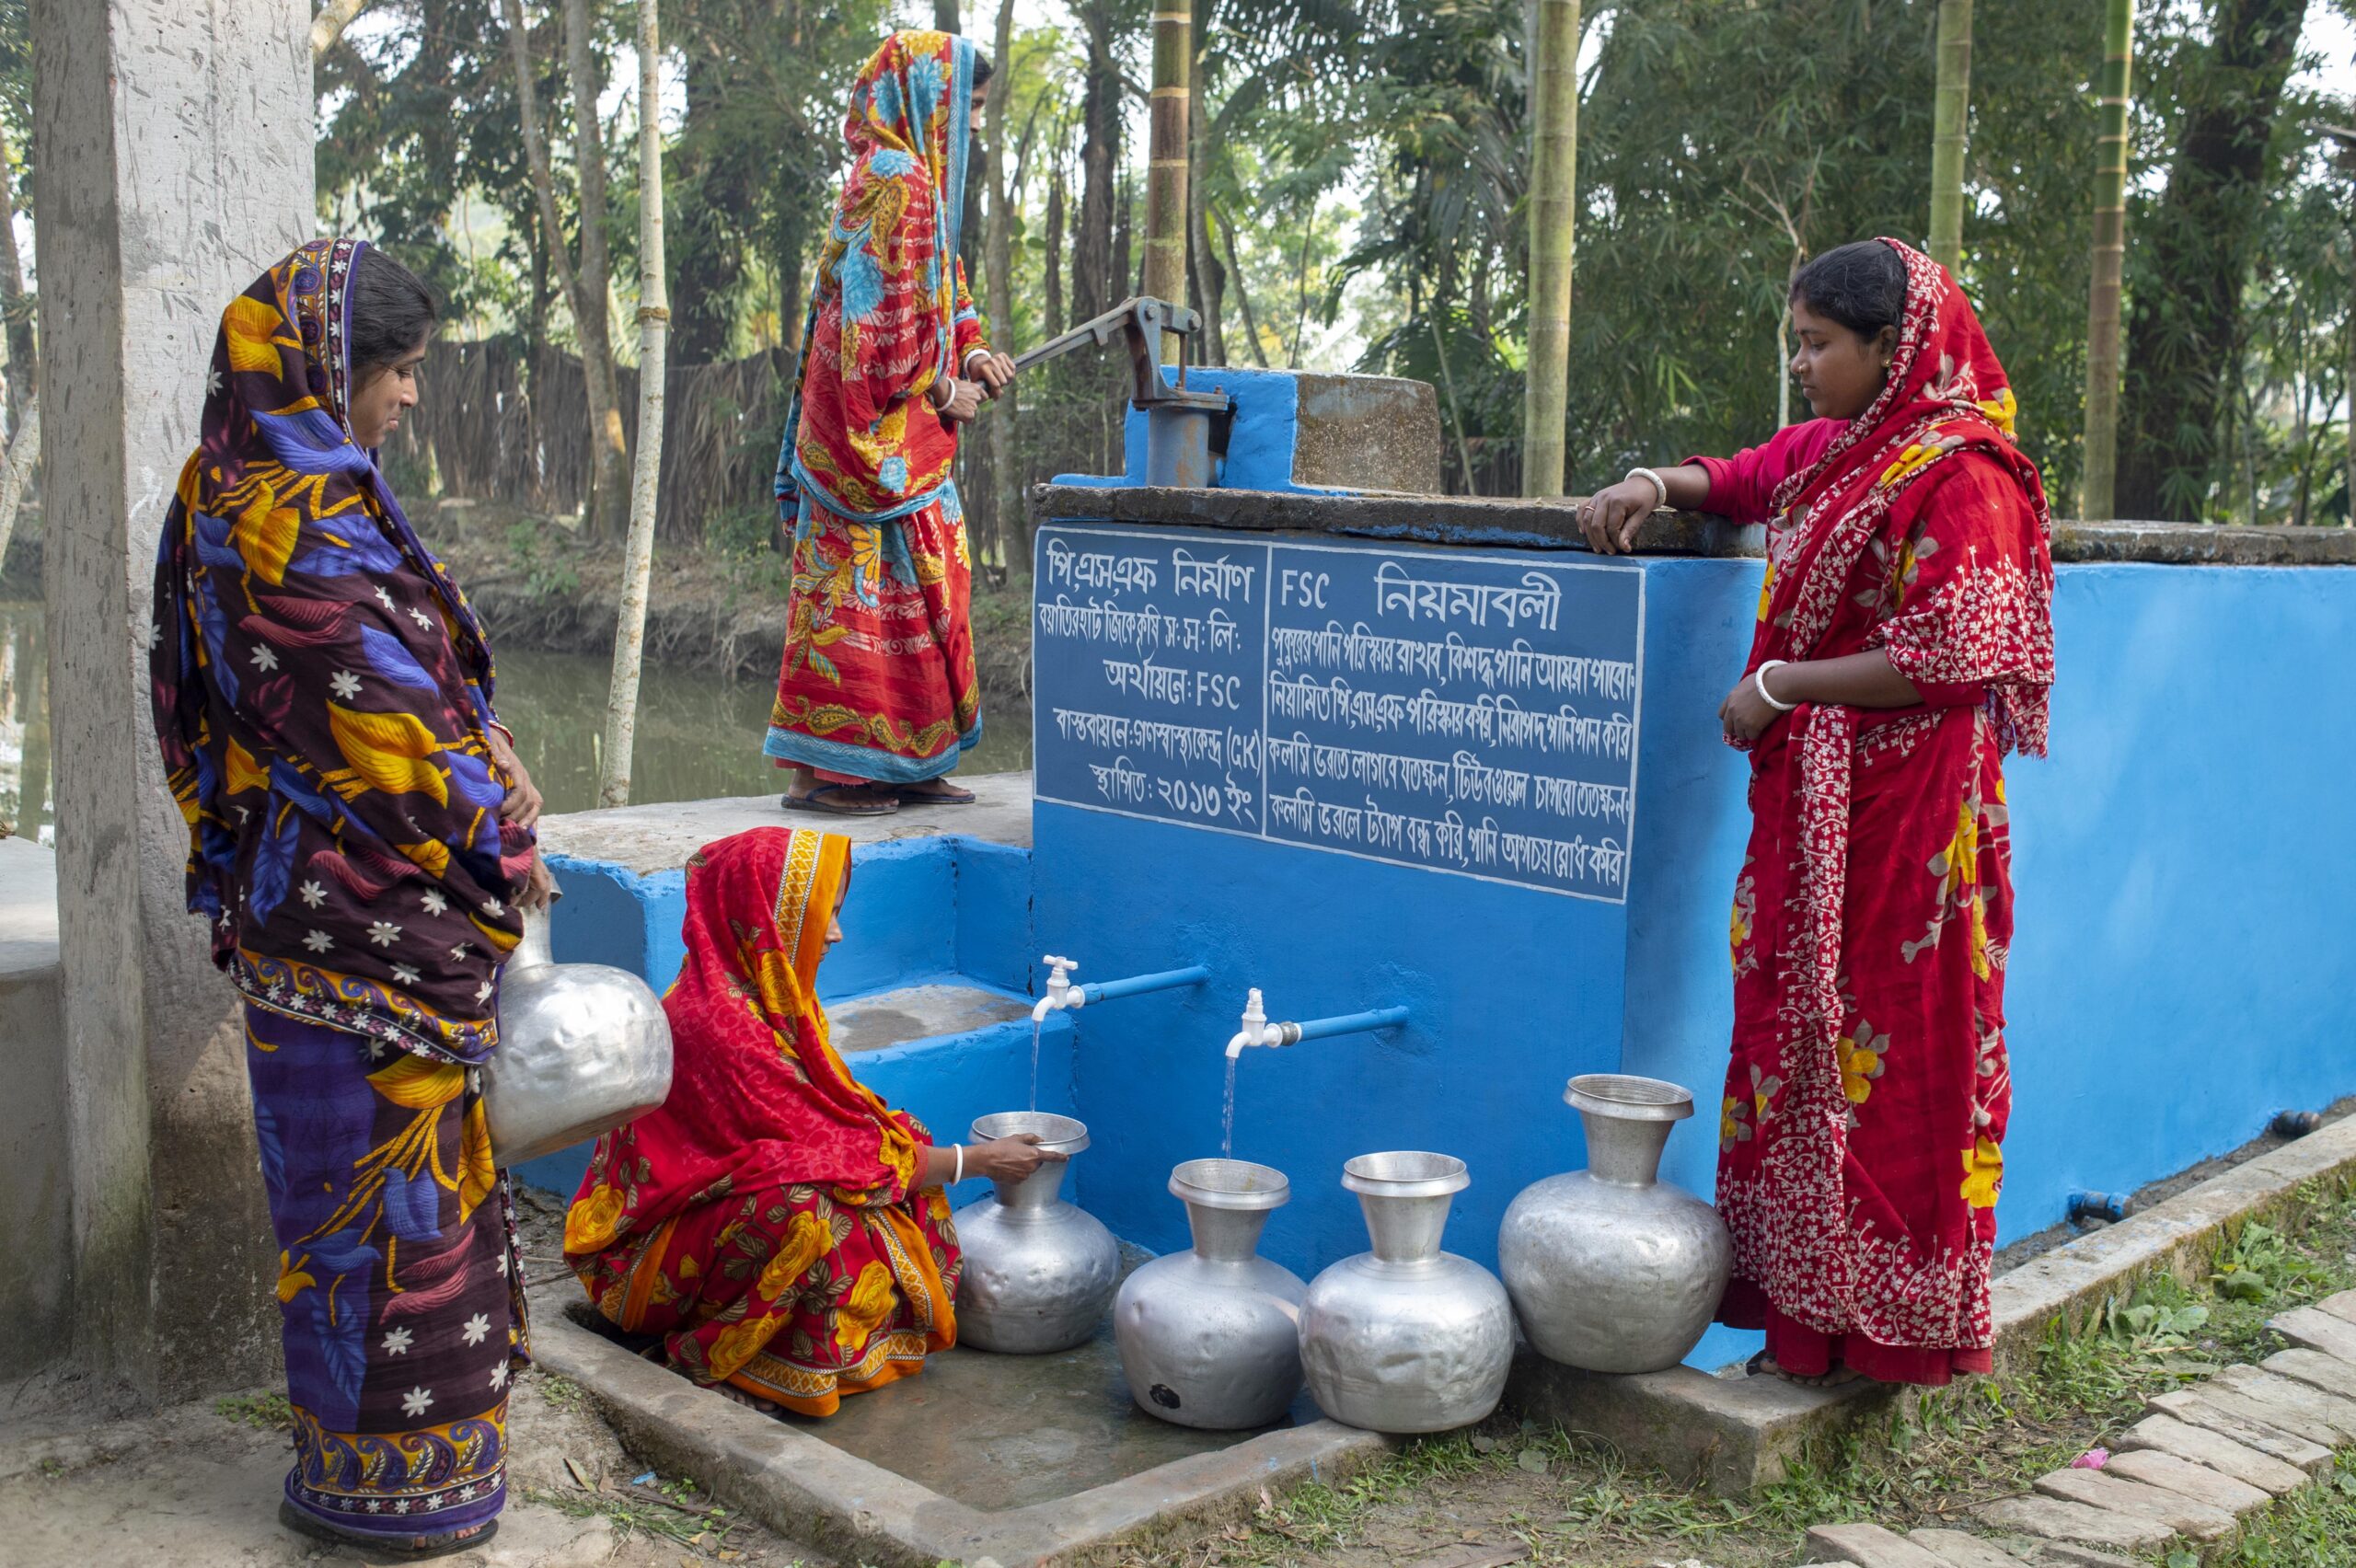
[
  {"x": 699, "y": 735},
  {"x": 1227, "y": 1116}
]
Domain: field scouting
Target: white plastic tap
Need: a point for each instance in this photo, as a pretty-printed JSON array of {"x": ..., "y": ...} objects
[
  {"x": 1061, "y": 992},
  {"x": 1256, "y": 1030}
]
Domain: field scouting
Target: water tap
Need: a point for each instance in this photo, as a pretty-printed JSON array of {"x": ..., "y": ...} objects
[
  {"x": 1257, "y": 1030},
  {"x": 1061, "y": 992}
]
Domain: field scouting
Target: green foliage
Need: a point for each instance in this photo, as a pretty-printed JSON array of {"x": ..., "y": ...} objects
[
  {"x": 547, "y": 568},
  {"x": 267, "y": 1411}
]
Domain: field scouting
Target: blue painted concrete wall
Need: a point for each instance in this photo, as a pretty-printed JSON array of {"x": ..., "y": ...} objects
[{"x": 2181, "y": 967}]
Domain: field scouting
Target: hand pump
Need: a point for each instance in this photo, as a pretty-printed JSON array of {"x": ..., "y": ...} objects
[{"x": 1184, "y": 429}]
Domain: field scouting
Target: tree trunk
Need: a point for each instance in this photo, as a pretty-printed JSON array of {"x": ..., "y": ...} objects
[
  {"x": 2184, "y": 327},
  {"x": 1243, "y": 296},
  {"x": 1166, "y": 164},
  {"x": 1094, "y": 273},
  {"x": 608, "y": 449},
  {"x": 24, "y": 362},
  {"x": 710, "y": 191},
  {"x": 1554, "y": 185},
  {"x": 16, "y": 468},
  {"x": 2101, "y": 457},
  {"x": 535, "y": 152},
  {"x": 328, "y": 25},
  {"x": 998, "y": 269},
  {"x": 1210, "y": 274},
  {"x": 1951, "y": 112},
  {"x": 1056, "y": 319},
  {"x": 654, "y": 331}
]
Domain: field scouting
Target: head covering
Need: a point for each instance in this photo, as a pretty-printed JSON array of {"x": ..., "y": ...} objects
[
  {"x": 320, "y": 692},
  {"x": 757, "y": 1094},
  {"x": 1945, "y": 394},
  {"x": 889, "y": 265}
]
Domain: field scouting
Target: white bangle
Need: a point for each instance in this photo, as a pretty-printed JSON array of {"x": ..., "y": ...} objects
[
  {"x": 1759, "y": 684},
  {"x": 1660, "y": 486},
  {"x": 960, "y": 1166},
  {"x": 973, "y": 354}
]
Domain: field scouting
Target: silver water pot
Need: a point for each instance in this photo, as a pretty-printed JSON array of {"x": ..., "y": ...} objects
[
  {"x": 1039, "y": 1271},
  {"x": 582, "y": 1048}
]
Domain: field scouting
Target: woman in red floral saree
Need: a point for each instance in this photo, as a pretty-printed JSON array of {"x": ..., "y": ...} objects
[
  {"x": 1904, "y": 648},
  {"x": 783, "y": 1231},
  {"x": 876, "y": 696}
]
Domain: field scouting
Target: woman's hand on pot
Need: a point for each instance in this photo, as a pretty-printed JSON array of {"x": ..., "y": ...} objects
[
  {"x": 1613, "y": 518},
  {"x": 540, "y": 890},
  {"x": 523, "y": 803},
  {"x": 1012, "y": 1158},
  {"x": 1745, "y": 714}
]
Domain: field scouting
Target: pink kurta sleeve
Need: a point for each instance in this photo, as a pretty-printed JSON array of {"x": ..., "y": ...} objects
[{"x": 1742, "y": 486}]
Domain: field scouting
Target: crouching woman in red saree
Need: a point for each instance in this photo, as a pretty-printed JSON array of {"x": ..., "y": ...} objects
[
  {"x": 1904, "y": 648},
  {"x": 782, "y": 1230}
]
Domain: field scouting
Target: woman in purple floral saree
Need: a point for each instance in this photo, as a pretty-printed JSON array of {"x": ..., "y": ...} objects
[{"x": 361, "y": 836}]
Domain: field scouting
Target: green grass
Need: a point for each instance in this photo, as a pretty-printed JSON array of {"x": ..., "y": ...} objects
[
  {"x": 267, "y": 1410},
  {"x": 1571, "y": 1500}
]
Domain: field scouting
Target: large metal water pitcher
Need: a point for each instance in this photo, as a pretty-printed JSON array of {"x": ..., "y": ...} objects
[
  {"x": 1612, "y": 1269},
  {"x": 1405, "y": 1337},
  {"x": 1209, "y": 1337},
  {"x": 582, "y": 1048},
  {"x": 1039, "y": 1271}
]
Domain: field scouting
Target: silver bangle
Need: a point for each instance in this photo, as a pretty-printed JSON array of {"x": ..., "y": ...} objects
[
  {"x": 1759, "y": 684},
  {"x": 1660, "y": 486},
  {"x": 960, "y": 1166}
]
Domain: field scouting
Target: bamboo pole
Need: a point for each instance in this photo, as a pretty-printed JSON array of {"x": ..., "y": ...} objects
[
  {"x": 1951, "y": 108},
  {"x": 653, "y": 345},
  {"x": 16, "y": 468},
  {"x": 2099, "y": 489},
  {"x": 1166, "y": 169},
  {"x": 328, "y": 25},
  {"x": 1554, "y": 189}
]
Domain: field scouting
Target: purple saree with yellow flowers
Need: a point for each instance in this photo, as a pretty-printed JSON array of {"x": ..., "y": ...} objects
[{"x": 322, "y": 695}]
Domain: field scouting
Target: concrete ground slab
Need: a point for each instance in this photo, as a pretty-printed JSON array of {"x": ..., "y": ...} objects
[
  {"x": 2050, "y": 1518},
  {"x": 2202, "y": 1446},
  {"x": 2076, "y": 1556},
  {"x": 2340, "y": 1306},
  {"x": 916, "y": 1012},
  {"x": 2121, "y": 1494},
  {"x": 790, "y": 1479},
  {"x": 28, "y": 909},
  {"x": 647, "y": 840},
  {"x": 2186, "y": 1479},
  {"x": 1732, "y": 1434}
]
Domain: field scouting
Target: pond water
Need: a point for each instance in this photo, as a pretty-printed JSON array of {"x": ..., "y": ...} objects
[{"x": 699, "y": 735}]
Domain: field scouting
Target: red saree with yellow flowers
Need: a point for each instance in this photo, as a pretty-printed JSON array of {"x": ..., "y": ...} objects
[
  {"x": 877, "y": 681},
  {"x": 766, "y": 1222},
  {"x": 1862, "y": 1131}
]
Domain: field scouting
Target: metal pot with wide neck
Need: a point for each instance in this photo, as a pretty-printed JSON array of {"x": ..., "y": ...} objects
[{"x": 1038, "y": 1270}]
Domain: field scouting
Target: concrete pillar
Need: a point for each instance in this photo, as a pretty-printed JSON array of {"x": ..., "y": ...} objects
[{"x": 174, "y": 165}]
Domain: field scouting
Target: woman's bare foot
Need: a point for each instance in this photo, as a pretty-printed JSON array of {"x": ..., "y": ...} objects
[
  {"x": 750, "y": 1401},
  {"x": 1832, "y": 1377}
]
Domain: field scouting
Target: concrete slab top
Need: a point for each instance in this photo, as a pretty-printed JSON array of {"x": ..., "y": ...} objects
[
  {"x": 915, "y": 1012},
  {"x": 27, "y": 908},
  {"x": 659, "y": 838}
]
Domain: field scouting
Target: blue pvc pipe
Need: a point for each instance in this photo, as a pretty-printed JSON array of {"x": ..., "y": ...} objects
[
  {"x": 1352, "y": 1023},
  {"x": 1168, "y": 979}
]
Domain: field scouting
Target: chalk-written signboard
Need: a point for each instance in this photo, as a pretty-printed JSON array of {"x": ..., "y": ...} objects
[{"x": 1468, "y": 713}]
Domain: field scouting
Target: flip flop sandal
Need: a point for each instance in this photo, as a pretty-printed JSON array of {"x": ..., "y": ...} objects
[
  {"x": 816, "y": 800},
  {"x": 411, "y": 1549},
  {"x": 951, "y": 797}
]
